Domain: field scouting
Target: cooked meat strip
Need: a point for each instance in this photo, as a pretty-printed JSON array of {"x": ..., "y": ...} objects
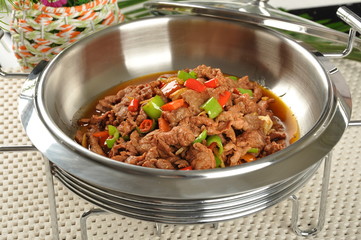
[
  {"x": 94, "y": 145},
  {"x": 200, "y": 157},
  {"x": 244, "y": 122}
]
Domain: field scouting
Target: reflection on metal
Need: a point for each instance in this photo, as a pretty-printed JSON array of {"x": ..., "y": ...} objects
[
  {"x": 52, "y": 201},
  {"x": 19, "y": 148},
  {"x": 355, "y": 22},
  {"x": 260, "y": 14},
  {"x": 85, "y": 216},
  {"x": 159, "y": 226},
  {"x": 355, "y": 123},
  {"x": 322, "y": 204},
  {"x": 13, "y": 75},
  {"x": 113, "y": 198}
]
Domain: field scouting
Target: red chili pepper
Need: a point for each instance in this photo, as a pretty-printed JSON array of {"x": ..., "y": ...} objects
[
  {"x": 173, "y": 105},
  {"x": 195, "y": 85},
  {"x": 102, "y": 136},
  {"x": 187, "y": 168},
  {"x": 133, "y": 105},
  {"x": 146, "y": 125},
  {"x": 212, "y": 83},
  {"x": 224, "y": 97},
  {"x": 249, "y": 157},
  {"x": 212, "y": 145},
  {"x": 170, "y": 88},
  {"x": 163, "y": 125}
]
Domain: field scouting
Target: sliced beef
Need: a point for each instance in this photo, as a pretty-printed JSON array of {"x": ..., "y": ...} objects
[
  {"x": 235, "y": 158},
  {"x": 94, "y": 145},
  {"x": 200, "y": 157},
  {"x": 245, "y": 122},
  {"x": 253, "y": 139},
  {"x": 164, "y": 164},
  {"x": 195, "y": 99},
  {"x": 175, "y": 116},
  {"x": 135, "y": 159},
  {"x": 122, "y": 156},
  {"x": 99, "y": 122},
  {"x": 180, "y": 136},
  {"x": 178, "y": 162},
  {"x": 263, "y": 106},
  {"x": 79, "y": 136},
  {"x": 106, "y": 104},
  {"x": 246, "y": 104},
  {"x": 273, "y": 147}
]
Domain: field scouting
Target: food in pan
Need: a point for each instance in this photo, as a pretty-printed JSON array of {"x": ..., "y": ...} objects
[{"x": 192, "y": 119}]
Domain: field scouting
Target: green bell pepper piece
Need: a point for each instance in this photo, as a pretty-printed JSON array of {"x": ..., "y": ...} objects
[
  {"x": 253, "y": 150},
  {"x": 245, "y": 91},
  {"x": 212, "y": 107},
  {"x": 233, "y": 78},
  {"x": 216, "y": 139},
  {"x": 113, "y": 131},
  {"x": 185, "y": 75},
  {"x": 219, "y": 161},
  {"x": 202, "y": 136},
  {"x": 152, "y": 108},
  {"x": 217, "y": 155}
]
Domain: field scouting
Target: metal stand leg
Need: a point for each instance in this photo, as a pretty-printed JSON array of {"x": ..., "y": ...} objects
[
  {"x": 323, "y": 202},
  {"x": 52, "y": 202},
  {"x": 215, "y": 225},
  {"x": 159, "y": 229},
  {"x": 84, "y": 217}
]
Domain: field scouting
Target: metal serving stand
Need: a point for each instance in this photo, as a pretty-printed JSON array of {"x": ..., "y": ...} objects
[{"x": 52, "y": 171}]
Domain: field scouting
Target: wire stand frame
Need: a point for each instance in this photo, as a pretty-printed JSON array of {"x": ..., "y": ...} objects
[{"x": 159, "y": 226}]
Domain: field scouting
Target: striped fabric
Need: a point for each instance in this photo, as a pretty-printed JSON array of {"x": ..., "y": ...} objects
[{"x": 40, "y": 32}]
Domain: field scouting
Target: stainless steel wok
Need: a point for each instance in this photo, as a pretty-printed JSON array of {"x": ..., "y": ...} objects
[{"x": 311, "y": 86}]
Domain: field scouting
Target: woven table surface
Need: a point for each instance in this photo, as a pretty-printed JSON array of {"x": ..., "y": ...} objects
[{"x": 24, "y": 208}]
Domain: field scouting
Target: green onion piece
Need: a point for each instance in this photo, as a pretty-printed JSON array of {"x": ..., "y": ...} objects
[
  {"x": 113, "y": 131},
  {"x": 245, "y": 91},
  {"x": 233, "y": 78},
  {"x": 212, "y": 107},
  {"x": 202, "y": 136},
  {"x": 185, "y": 75},
  {"x": 253, "y": 150},
  {"x": 216, "y": 139},
  {"x": 152, "y": 108}
]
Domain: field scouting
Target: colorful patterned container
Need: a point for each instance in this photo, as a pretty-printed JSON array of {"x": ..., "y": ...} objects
[{"x": 40, "y": 32}]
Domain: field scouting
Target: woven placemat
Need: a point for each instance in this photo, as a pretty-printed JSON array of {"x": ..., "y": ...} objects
[{"x": 24, "y": 208}]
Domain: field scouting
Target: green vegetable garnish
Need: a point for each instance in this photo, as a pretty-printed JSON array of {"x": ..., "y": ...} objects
[
  {"x": 216, "y": 139},
  {"x": 219, "y": 161},
  {"x": 233, "y": 78},
  {"x": 253, "y": 150},
  {"x": 185, "y": 75},
  {"x": 201, "y": 136},
  {"x": 218, "y": 152},
  {"x": 152, "y": 108},
  {"x": 245, "y": 91},
  {"x": 212, "y": 107},
  {"x": 113, "y": 131}
]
